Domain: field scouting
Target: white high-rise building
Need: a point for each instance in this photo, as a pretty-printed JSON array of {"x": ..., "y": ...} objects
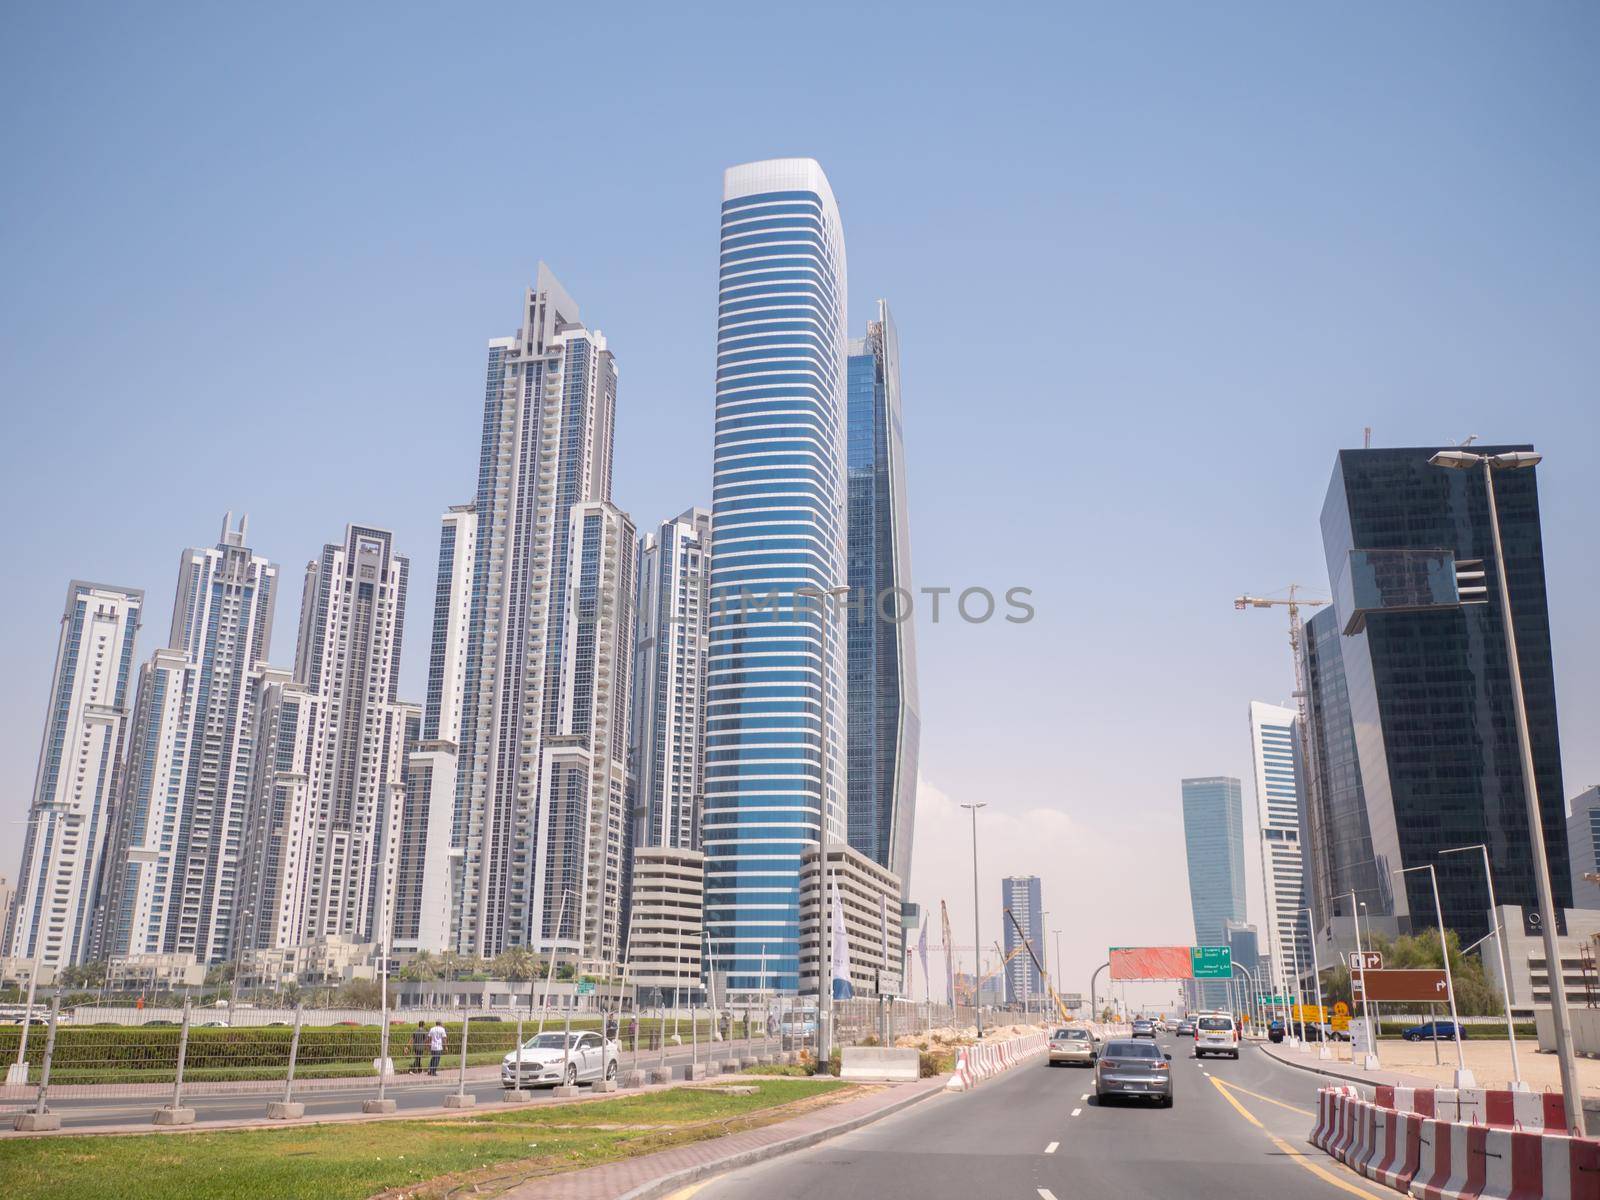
[
  {"x": 180, "y": 829},
  {"x": 323, "y": 841},
  {"x": 1277, "y": 773},
  {"x": 63, "y": 853},
  {"x": 549, "y": 410},
  {"x": 775, "y": 675},
  {"x": 433, "y": 824},
  {"x": 667, "y": 754}
]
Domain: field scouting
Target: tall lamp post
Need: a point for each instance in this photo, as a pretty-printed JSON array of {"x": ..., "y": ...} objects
[
  {"x": 1371, "y": 1063},
  {"x": 1463, "y": 460},
  {"x": 1517, "y": 1085},
  {"x": 1464, "y": 1077},
  {"x": 977, "y": 941},
  {"x": 1316, "y": 976}
]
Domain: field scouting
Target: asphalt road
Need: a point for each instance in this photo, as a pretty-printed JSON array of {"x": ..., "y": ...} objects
[
  {"x": 407, "y": 1091},
  {"x": 1037, "y": 1133}
]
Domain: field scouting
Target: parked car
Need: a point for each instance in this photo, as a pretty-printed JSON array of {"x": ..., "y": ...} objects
[
  {"x": 1431, "y": 1031},
  {"x": 550, "y": 1059}
]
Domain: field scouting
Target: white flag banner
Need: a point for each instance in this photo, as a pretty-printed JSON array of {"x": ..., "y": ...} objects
[{"x": 842, "y": 989}]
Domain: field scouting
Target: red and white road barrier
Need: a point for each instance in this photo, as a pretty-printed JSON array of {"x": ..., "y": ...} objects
[
  {"x": 1437, "y": 1158},
  {"x": 988, "y": 1059},
  {"x": 1499, "y": 1108}
]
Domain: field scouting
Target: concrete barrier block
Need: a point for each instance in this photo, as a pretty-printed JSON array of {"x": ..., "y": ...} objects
[
  {"x": 515, "y": 1096},
  {"x": 36, "y": 1122},
  {"x": 285, "y": 1110},
  {"x": 660, "y": 1075},
  {"x": 697, "y": 1071},
  {"x": 603, "y": 1087},
  {"x": 731, "y": 1066},
  {"x": 631, "y": 1079},
  {"x": 378, "y": 1106},
  {"x": 565, "y": 1091},
  {"x": 173, "y": 1116},
  {"x": 460, "y": 1100},
  {"x": 889, "y": 1063},
  {"x": 749, "y": 1061}
]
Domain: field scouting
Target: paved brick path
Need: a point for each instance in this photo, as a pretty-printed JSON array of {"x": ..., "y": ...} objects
[{"x": 618, "y": 1179}]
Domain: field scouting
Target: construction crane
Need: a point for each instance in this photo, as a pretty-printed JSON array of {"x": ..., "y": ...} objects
[
  {"x": 1294, "y": 602},
  {"x": 1038, "y": 966}
]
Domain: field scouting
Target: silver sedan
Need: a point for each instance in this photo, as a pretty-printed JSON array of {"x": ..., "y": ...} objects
[{"x": 1130, "y": 1068}]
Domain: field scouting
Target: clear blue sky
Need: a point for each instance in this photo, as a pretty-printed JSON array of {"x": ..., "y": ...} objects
[{"x": 1151, "y": 269}]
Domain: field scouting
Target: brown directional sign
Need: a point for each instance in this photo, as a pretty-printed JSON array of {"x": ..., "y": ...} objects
[{"x": 1400, "y": 985}]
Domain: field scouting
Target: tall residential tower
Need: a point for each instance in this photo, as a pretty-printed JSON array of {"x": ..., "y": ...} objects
[
  {"x": 775, "y": 712},
  {"x": 64, "y": 852}
]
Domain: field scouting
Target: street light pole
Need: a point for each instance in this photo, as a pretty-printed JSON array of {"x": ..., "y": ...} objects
[
  {"x": 1517, "y": 1085},
  {"x": 1560, "y": 1017},
  {"x": 977, "y": 941},
  {"x": 1371, "y": 1063},
  {"x": 1464, "y": 1077},
  {"x": 1316, "y": 975}
]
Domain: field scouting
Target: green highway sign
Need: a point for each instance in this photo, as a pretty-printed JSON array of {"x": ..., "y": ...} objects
[
  {"x": 585, "y": 987},
  {"x": 1211, "y": 962},
  {"x": 1272, "y": 999}
]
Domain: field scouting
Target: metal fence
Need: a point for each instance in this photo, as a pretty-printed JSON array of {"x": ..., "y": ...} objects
[{"x": 177, "y": 1062}]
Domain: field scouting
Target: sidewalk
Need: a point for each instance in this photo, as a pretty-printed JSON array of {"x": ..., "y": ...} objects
[
  {"x": 660, "y": 1174},
  {"x": 1305, "y": 1059}
]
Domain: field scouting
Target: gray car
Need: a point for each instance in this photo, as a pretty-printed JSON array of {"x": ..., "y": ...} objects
[{"x": 1130, "y": 1068}]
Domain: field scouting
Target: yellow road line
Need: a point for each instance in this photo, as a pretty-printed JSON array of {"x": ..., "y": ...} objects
[
  {"x": 686, "y": 1193},
  {"x": 1295, "y": 1156},
  {"x": 1304, "y": 1112}
]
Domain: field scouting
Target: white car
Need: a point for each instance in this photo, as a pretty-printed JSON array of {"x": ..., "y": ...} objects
[
  {"x": 1215, "y": 1033},
  {"x": 547, "y": 1060}
]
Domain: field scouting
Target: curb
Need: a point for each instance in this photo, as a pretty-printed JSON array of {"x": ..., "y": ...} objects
[
  {"x": 1365, "y": 1081},
  {"x": 666, "y": 1184}
]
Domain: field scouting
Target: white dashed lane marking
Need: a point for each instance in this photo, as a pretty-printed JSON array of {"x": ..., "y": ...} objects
[
  {"x": 1076, "y": 1111},
  {"x": 1046, "y": 1194},
  {"x": 1051, "y": 1148}
]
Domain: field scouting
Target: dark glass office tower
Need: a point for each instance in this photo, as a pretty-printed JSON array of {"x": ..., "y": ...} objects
[
  {"x": 884, "y": 724},
  {"x": 1429, "y": 685},
  {"x": 1338, "y": 838}
]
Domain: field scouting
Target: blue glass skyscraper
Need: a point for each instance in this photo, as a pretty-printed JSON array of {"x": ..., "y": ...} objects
[
  {"x": 1213, "y": 839},
  {"x": 774, "y": 757},
  {"x": 885, "y": 724}
]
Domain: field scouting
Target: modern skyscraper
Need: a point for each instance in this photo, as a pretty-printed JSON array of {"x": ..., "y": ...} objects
[
  {"x": 549, "y": 408},
  {"x": 1021, "y": 894},
  {"x": 1583, "y": 846},
  {"x": 434, "y": 820},
  {"x": 884, "y": 718},
  {"x": 1213, "y": 837},
  {"x": 1273, "y": 738},
  {"x": 775, "y": 712},
  {"x": 667, "y": 731},
  {"x": 1337, "y": 842},
  {"x": 64, "y": 851},
  {"x": 335, "y": 739},
  {"x": 1411, "y": 556},
  {"x": 181, "y": 816}
]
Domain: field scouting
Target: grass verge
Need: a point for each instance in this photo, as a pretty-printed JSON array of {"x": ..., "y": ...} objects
[{"x": 421, "y": 1158}]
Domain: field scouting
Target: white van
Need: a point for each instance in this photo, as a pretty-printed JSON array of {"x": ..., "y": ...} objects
[{"x": 1216, "y": 1033}]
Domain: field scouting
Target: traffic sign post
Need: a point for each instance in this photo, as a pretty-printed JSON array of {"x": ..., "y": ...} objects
[{"x": 1369, "y": 960}]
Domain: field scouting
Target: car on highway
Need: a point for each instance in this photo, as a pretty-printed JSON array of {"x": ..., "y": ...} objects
[
  {"x": 1144, "y": 1028},
  {"x": 553, "y": 1059},
  {"x": 1070, "y": 1045},
  {"x": 1130, "y": 1068},
  {"x": 1431, "y": 1031},
  {"x": 1216, "y": 1033},
  {"x": 1184, "y": 1028}
]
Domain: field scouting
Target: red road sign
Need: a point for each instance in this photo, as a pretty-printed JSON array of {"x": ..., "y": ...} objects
[{"x": 1400, "y": 985}]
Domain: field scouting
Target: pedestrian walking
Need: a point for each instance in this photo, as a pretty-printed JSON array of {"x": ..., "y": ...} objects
[
  {"x": 436, "y": 1037},
  {"x": 419, "y": 1045}
]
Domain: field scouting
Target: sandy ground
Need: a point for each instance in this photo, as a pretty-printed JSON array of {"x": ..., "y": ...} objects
[
  {"x": 945, "y": 1035},
  {"x": 1489, "y": 1060}
]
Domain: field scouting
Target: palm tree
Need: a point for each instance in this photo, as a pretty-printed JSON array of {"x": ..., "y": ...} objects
[
  {"x": 515, "y": 963},
  {"x": 422, "y": 968}
]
